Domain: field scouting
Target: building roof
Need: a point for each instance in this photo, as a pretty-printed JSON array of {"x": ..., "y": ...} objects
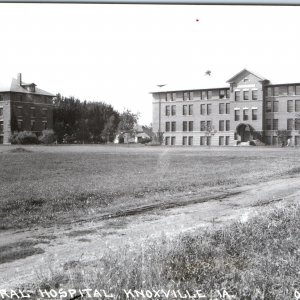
[
  {"x": 244, "y": 71},
  {"x": 14, "y": 86}
]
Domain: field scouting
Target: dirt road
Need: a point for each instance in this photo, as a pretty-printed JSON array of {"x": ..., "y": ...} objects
[{"x": 86, "y": 240}]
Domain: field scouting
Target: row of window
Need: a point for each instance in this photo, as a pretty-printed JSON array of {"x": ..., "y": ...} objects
[
  {"x": 224, "y": 125},
  {"x": 292, "y": 124},
  {"x": 273, "y": 140},
  {"x": 283, "y": 90},
  {"x": 246, "y": 95},
  {"x": 224, "y": 108},
  {"x": 33, "y": 124},
  {"x": 245, "y": 114},
  {"x": 204, "y": 140},
  {"x": 292, "y": 105},
  {"x": 202, "y": 95},
  {"x": 33, "y": 111}
]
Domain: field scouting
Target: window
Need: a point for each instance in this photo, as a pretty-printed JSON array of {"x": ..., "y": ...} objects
[
  {"x": 227, "y": 125},
  {"x": 202, "y": 140},
  {"x": 283, "y": 90},
  {"x": 202, "y": 109},
  {"x": 190, "y": 140},
  {"x": 184, "y": 140},
  {"x": 270, "y": 92},
  {"x": 222, "y": 94},
  {"x": 204, "y": 95},
  {"x": 275, "y": 124},
  {"x": 297, "y": 105},
  {"x": 227, "y": 108},
  {"x": 246, "y": 95},
  {"x": 184, "y": 110},
  {"x": 254, "y": 114},
  {"x": 20, "y": 125},
  {"x": 291, "y": 90},
  {"x": 297, "y": 89},
  {"x": 167, "y": 126},
  {"x": 221, "y": 108},
  {"x": 236, "y": 115},
  {"x": 1, "y": 126},
  {"x": 184, "y": 126},
  {"x": 237, "y": 95},
  {"x": 19, "y": 111},
  {"x": 290, "y": 106},
  {"x": 202, "y": 126},
  {"x": 227, "y": 94},
  {"x": 297, "y": 140},
  {"x": 173, "y": 110},
  {"x": 173, "y": 96},
  {"x": 269, "y": 124},
  {"x": 169, "y": 97},
  {"x": 190, "y": 109},
  {"x": 32, "y": 112},
  {"x": 173, "y": 140},
  {"x": 209, "y": 94},
  {"x": 208, "y": 109},
  {"x": 275, "y": 140},
  {"x": 167, "y": 113},
  {"x": 221, "y": 140},
  {"x": 268, "y": 106},
  {"x": 186, "y": 96},
  {"x": 227, "y": 139},
  {"x": 297, "y": 124},
  {"x": 275, "y": 106},
  {"x": 167, "y": 141},
  {"x": 208, "y": 125},
  {"x": 254, "y": 94},
  {"x": 246, "y": 114},
  {"x": 208, "y": 140},
  {"x": 1, "y": 98},
  {"x": 32, "y": 125},
  {"x": 221, "y": 125},
  {"x": 173, "y": 126},
  {"x": 290, "y": 123},
  {"x": 191, "y": 125},
  {"x": 1, "y": 111},
  {"x": 276, "y": 91}
]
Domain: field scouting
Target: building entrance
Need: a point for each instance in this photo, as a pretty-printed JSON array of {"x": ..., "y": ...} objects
[{"x": 244, "y": 132}]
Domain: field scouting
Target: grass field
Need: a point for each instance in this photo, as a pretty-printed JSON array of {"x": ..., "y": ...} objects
[
  {"x": 259, "y": 259},
  {"x": 43, "y": 186}
]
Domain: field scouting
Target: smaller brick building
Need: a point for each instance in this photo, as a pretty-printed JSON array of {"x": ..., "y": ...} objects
[{"x": 24, "y": 107}]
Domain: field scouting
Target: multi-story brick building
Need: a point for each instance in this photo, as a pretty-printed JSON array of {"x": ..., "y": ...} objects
[
  {"x": 24, "y": 107},
  {"x": 249, "y": 110}
]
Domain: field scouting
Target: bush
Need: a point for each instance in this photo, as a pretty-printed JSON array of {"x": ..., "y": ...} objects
[
  {"x": 47, "y": 137},
  {"x": 24, "y": 138}
]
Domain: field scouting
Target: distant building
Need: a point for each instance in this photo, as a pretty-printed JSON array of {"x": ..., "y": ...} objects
[
  {"x": 137, "y": 135},
  {"x": 249, "y": 110},
  {"x": 24, "y": 107}
]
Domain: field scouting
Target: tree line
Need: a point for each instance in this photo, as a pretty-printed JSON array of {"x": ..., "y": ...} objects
[{"x": 89, "y": 122}]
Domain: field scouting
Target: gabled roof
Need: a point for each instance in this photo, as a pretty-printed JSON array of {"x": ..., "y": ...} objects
[
  {"x": 14, "y": 86},
  {"x": 246, "y": 70}
]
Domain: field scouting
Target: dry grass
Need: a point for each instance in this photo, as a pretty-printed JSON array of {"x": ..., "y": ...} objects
[
  {"x": 46, "y": 185},
  {"x": 259, "y": 257}
]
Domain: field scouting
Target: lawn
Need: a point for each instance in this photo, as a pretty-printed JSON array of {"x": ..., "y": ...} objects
[{"x": 43, "y": 186}]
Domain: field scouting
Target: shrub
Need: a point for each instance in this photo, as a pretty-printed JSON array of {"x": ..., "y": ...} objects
[
  {"x": 24, "y": 138},
  {"x": 47, "y": 137}
]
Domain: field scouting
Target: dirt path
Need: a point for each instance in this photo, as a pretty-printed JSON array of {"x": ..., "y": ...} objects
[{"x": 87, "y": 240}]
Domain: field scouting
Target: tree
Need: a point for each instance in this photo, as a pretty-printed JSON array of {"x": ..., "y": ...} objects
[{"x": 128, "y": 120}]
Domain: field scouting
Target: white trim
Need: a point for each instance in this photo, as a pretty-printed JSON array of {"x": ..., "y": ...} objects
[
  {"x": 254, "y": 107},
  {"x": 236, "y": 108},
  {"x": 245, "y": 107}
]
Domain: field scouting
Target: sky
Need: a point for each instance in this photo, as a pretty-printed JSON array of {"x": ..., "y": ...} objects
[{"x": 118, "y": 54}]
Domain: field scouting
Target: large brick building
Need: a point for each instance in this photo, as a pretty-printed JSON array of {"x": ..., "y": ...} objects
[
  {"x": 248, "y": 110},
  {"x": 24, "y": 107}
]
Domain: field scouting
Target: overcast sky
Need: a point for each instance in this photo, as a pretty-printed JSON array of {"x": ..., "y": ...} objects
[{"x": 119, "y": 53}]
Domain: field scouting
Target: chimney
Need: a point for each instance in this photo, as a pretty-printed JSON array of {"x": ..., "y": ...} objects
[{"x": 19, "y": 78}]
